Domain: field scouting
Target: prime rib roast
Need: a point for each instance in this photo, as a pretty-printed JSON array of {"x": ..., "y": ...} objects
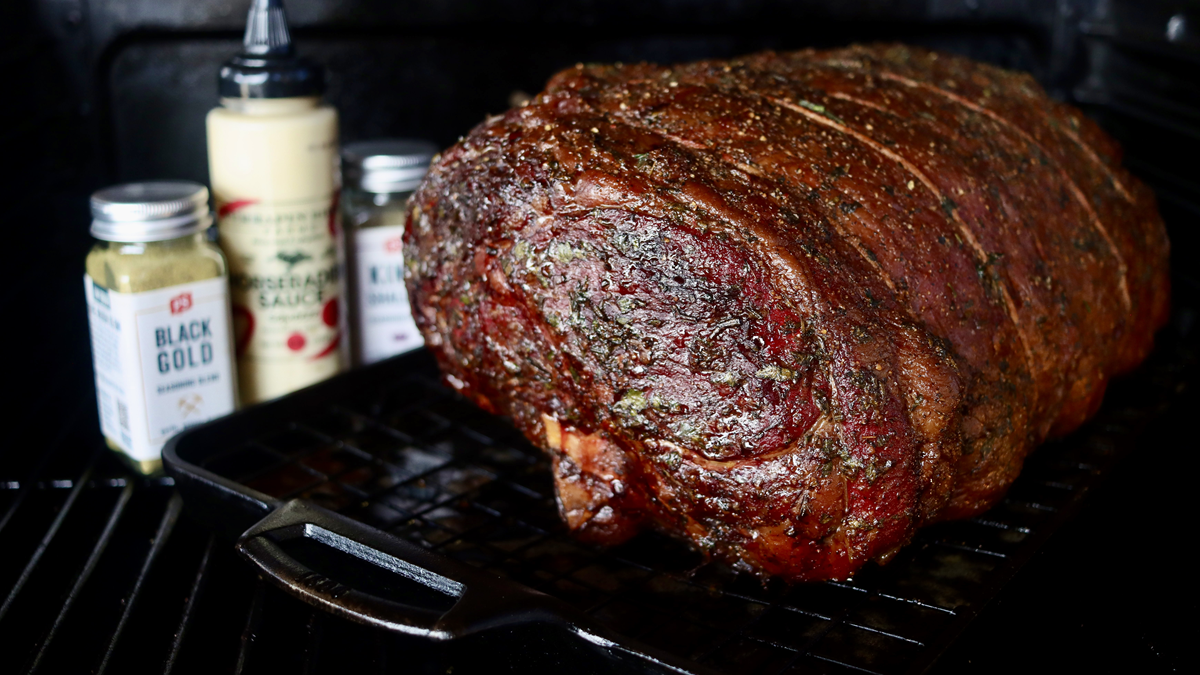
[{"x": 786, "y": 307}]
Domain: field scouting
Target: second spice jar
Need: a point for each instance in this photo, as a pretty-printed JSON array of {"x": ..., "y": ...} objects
[{"x": 380, "y": 176}]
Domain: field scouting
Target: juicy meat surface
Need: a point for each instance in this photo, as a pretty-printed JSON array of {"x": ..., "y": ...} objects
[{"x": 788, "y": 307}]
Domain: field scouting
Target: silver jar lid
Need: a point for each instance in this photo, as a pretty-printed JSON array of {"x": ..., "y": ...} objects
[
  {"x": 150, "y": 211},
  {"x": 389, "y": 165}
]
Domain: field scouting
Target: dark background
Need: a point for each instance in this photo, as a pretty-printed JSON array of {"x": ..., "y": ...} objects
[{"x": 105, "y": 91}]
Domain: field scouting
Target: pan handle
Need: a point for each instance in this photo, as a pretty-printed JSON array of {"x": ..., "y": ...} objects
[
  {"x": 360, "y": 573},
  {"x": 369, "y": 577}
]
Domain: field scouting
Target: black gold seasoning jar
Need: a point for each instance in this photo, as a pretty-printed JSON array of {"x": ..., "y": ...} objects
[
  {"x": 158, "y": 310},
  {"x": 380, "y": 176}
]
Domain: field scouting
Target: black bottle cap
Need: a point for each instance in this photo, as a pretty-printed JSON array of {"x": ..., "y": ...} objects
[{"x": 267, "y": 66}]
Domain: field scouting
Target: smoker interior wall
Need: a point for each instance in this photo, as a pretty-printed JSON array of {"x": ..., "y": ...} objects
[{"x": 1148, "y": 97}]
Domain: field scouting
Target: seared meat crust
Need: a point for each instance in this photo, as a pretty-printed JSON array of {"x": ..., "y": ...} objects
[{"x": 789, "y": 307}]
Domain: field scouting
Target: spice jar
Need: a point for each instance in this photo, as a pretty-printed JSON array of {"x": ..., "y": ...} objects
[
  {"x": 158, "y": 312},
  {"x": 380, "y": 176}
]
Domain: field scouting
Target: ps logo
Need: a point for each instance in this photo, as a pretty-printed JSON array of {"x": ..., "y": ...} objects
[{"x": 181, "y": 303}]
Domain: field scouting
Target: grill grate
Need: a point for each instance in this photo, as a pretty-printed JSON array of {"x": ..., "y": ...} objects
[
  {"x": 100, "y": 572},
  {"x": 413, "y": 459}
]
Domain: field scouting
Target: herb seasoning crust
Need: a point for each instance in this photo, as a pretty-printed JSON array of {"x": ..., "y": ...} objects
[{"x": 788, "y": 307}]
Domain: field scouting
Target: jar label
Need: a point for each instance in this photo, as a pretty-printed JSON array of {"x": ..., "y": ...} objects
[
  {"x": 386, "y": 322},
  {"x": 163, "y": 361},
  {"x": 284, "y": 282}
]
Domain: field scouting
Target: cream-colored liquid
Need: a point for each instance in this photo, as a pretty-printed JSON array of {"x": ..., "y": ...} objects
[{"x": 277, "y": 159}]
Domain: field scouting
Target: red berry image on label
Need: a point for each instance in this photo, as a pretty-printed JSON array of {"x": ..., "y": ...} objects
[
  {"x": 295, "y": 342},
  {"x": 329, "y": 313},
  {"x": 333, "y": 214},
  {"x": 243, "y": 328},
  {"x": 226, "y": 209},
  {"x": 337, "y": 338}
]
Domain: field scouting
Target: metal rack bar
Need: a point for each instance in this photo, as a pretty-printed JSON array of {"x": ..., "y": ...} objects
[
  {"x": 312, "y": 643},
  {"x": 253, "y": 620},
  {"x": 49, "y": 536},
  {"x": 165, "y": 527},
  {"x": 97, "y": 550},
  {"x": 185, "y": 620}
]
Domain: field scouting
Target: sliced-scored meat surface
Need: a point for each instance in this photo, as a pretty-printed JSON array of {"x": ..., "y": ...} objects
[{"x": 787, "y": 307}]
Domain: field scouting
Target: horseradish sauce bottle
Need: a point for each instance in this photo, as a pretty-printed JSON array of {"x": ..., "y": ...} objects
[
  {"x": 158, "y": 314},
  {"x": 272, "y": 156}
]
